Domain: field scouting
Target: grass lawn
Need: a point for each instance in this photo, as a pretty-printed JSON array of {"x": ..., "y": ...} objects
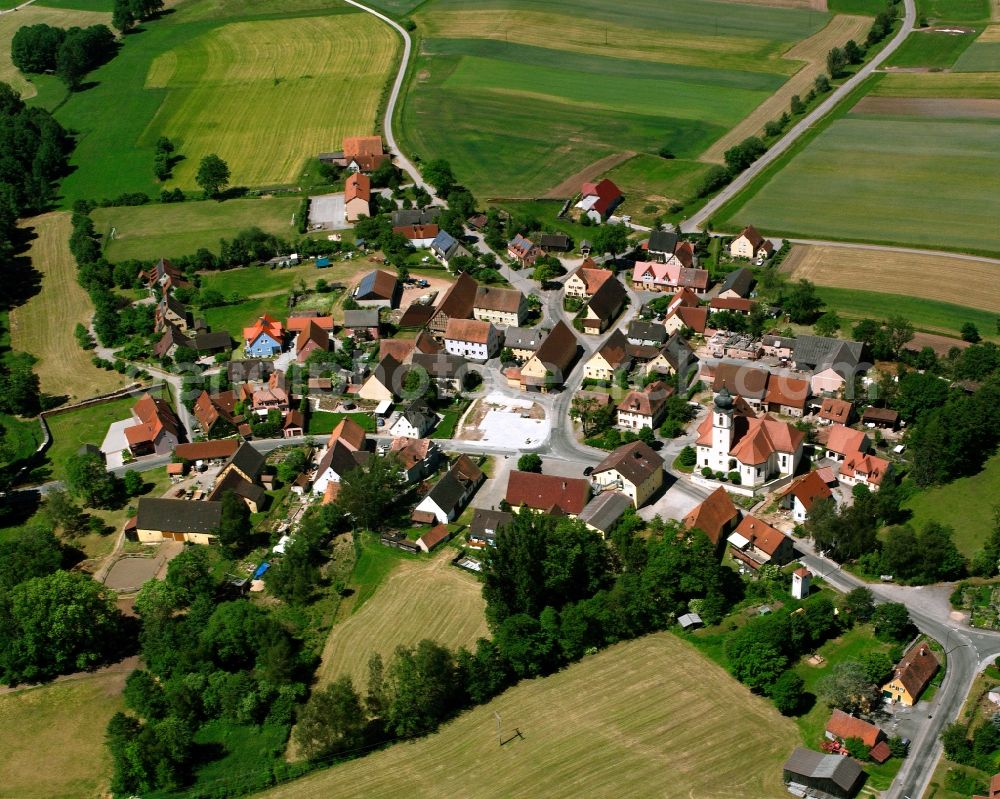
[
  {"x": 928, "y": 315},
  {"x": 373, "y": 566},
  {"x": 44, "y": 324},
  {"x": 931, "y": 49},
  {"x": 88, "y": 425},
  {"x": 21, "y": 437},
  {"x": 321, "y": 423},
  {"x": 449, "y": 421},
  {"x": 254, "y": 280},
  {"x": 569, "y": 93},
  {"x": 419, "y": 599},
  {"x": 954, "y": 10},
  {"x": 619, "y": 722},
  {"x": 963, "y": 505},
  {"x": 53, "y": 738},
  {"x": 924, "y": 182},
  {"x": 265, "y": 86},
  {"x": 654, "y": 181},
  {"x": 235, "y": 317},
  {"x": 870, "y": 7},
  {"x": 172, "y": 229}
]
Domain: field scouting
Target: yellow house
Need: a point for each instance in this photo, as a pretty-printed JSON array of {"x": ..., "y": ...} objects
[
  {"x": 549, "y": 365},
  {"x": 633, "y": 469},
  {"x": 912, "y": 675},
  {"x": 381, "y": 383},
  {"x": 159, "y": 520},
  {"x": 749, "y": 244},
  {"x": 613, "y": 356}
]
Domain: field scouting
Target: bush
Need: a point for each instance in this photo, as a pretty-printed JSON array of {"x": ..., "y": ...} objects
[
  {"x": 707, "y": 472},
  {"x": 734, "y": 478}
]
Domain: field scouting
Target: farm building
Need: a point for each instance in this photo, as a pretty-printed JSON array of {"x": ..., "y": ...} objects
[
  {"x": 506, "y": 307},
  {"x": 433, "y": 538},
  {"x": 548, "y": 493},
  {"x": 156, "y": 429},
  {"x": 604, "y": 306},
  {"x": 599, "y": 200},
  {"x": 612, "y": 357},
  {"x": 603, "y": 511},
  {"x": 485, "y": 524},
  {"x": 912, "y": 675},
  {"x": 177, "y": 520},
  {"x": 378, "y": 289},
  {"x": 811, "y": 773},
  {"x": 716, "y": 516}
]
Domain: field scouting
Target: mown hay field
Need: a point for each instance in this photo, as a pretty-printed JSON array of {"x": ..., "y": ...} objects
[
  {"x": 420, "y": 599},
  {"x": 173, "y": 229},
  {"x": 44, "y": 324},
  {"x": 36, "y": 15},
  {"x": 646, "y": 718},
  {"x": 520, "y": 95},
  {"x": 960, "y": 281},
  {"x": 985, "y": 85},
  {"x": 53, "y": 738},
  {"x": 898, "y": 180},
  {"x": 267, "y": 95}
]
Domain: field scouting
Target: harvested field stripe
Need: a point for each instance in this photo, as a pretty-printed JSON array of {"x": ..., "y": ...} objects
[
  {"x": 943, "y": 278},
  {"x": 44, "y": 325},
  {"x": 571, "y": 185},
  {"x": 646, "y": 718},
  {"x": 813, "y": 52},
  {"x": 929, "y": 107}
]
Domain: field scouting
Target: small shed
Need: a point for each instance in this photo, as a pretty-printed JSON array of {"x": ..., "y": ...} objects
[
  {"x": 433, "y": 538},
  {"x": 689, "y": 621},
  {"x": 322, "y": 263}
]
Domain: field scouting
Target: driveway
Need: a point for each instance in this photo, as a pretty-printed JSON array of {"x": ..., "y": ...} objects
[{"x": 327, "y": 212}]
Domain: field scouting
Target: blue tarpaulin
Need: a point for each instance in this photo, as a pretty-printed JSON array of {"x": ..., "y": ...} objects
[
  {"x": 261, "y": 569},
  {"x": 322, "y": 262}
]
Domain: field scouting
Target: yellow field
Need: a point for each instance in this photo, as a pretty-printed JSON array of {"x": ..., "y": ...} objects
[
  {"x": 971, "y": 283},
  {"x": 992, "y": 32},
  {"x": 44, "y": 325},
  {"x": 813, "y": 52},
  {"x": 231, "y": 88},
  {"x": 421, "y": 599},
  {"x": 53, "y": 738},
  {"x": 35, "y": 15},
  {"x": 647, "y": 718},
  {"x": 939, "y": 84},
  {"x": 578, "y": 34}
]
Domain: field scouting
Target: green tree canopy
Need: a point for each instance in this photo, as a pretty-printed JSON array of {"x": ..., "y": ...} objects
[{"x": 213, "y": 175}]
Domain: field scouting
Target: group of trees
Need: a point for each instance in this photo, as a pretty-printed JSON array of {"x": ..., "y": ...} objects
[
  {"x": 164, "y": 158},
  {"x": 980, "y": 750},
  {"x": 886, "y": 338},
  {"x": 839, "y": 58},
  {"x": 127, "y": 13},
  {"x": 204, "y": 660},
  {"x": 70, "y": 54}
]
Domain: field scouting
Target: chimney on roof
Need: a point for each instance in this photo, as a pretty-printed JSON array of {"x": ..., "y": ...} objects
[
  {"x": 923, "y": 651},
  {"x": 564, "y": 485}
]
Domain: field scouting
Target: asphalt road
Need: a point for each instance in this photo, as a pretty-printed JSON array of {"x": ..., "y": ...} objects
[{"x": 694, "y": 223}]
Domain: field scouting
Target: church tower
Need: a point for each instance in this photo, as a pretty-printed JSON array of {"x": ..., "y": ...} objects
[{"x": 722, "y": 426}]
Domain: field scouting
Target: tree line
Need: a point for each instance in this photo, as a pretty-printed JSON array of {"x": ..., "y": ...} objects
[{"x": 68, "y": 53}]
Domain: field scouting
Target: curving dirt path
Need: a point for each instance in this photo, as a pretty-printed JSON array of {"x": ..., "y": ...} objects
[{"x": 571, "y": 185}]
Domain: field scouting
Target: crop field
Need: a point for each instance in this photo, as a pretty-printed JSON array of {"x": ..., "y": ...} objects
[
  {"x": 654, "y": 181},
  {"x": 960, "y": 505},
  {"x": 646, "y": 718},
  {"x": 35, "y": 15},
  {"x": 933, "y": 48},
  {"x": 264, "y": 86},
  {"x": 963, "y": 282},
  {"x": 173, "y": 229},
  {"x": 984, "y": 55},
  {"x": 420, "y": 599},
  {"x": 954, "y": 10},
  {"x": 53, "y": 738},
  {"x": 44, "y": 324},
  {"x": 899, "y": 180},
  {"x": 973, "y": 85},
  {"x": 570, "y": 87}
]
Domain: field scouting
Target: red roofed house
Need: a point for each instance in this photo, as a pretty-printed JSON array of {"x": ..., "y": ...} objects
[
  {"x": 434, "y": 537},
  {"x": 157, "y": 429},
  {"x": 755, "y": 543},
  {"x": 264, "y": 338},
  {"x": 736, "y": 305},
  {"x": 652, "y": 276},
  {"x": 912, "y": 675},
  {"x": 758, "y": 448},
  {"x": 598, "y": 200},
  {"x": 801, "y": 494},
  {"x": 868, "y": 470},
  {"x": 357, "y": 196},
  {"x": 300, "y": 320},
  {"x": 311, "y": 339},
  {"x": 750, "y": 244},
  {"x": 548, "y": 493},
  {"x": 787, "y": 395},
  {"x": 844, "y": 440},
  {"x": 994, "y": 792},
  {"x": 716, "y": 516},
  {"x": 836, "y": 411},
  {"x": 471, "y": 338},
  {"x": 644, "y": 408},
  {"x": 420, "y": 236},
  {"x": 586, "y": 279},
  {"x": 843, "y": 726},
  {"x": 523, "y": 250},
  {"x": 363, "y": 153}
]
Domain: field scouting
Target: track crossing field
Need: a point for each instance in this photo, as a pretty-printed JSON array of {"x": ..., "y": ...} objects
[{"x": 647, "y": 718}]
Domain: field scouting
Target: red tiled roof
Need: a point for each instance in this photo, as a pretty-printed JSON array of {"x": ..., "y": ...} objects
[
  {"x": 358, "y": 187},
  {"x": 207, "y": 450},
  {"x": 296, "y": 324},
  {"x": 490, "y": 298},
  {"x": 413, "y": 232},
  {"x": 312, "y": 333},
  {"x": 843, "y": 726},
  {"x": 871, "y": 466},
  {"x": 647, "y": 402},
  {"x": 808, "y": 489},
  {"x": 606, "y": 192},
  {"x": 844, "y": 439},
  {"x": 836, "y": 410},
  {"x": 788, "y": 391},
  {"x": 880, "y": 752},
  {"x": 615, "y": 351},
  {"x": 154, "y": 417},
  {"x": 468, "y": 330},
  {"x": 917, "y": 668},
  {"x": 265, "y": 324},
  {"x": 761, "y": 535},
  {"x": 349, "y": 433},
  {"x": 695, "y": 318},
  {"x": 362, "y": 145},
  {"x": 713, "y": 515},
  {"x": 435, "y": 536},
  {"x": 593, "y": 278},
  {"x": 731, "y": 304},
  {"x": 765, "y": 436},
  {"x": 545, "y": 492}
]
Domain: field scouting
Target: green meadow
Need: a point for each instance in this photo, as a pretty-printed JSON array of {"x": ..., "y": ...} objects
[
  {"x": 932, "y": 316},
  {"x": 954, "y": 10},
  {"x": 520, "y": 95},
  {"x": 900, "y": 180},
  {"x": 932, "y": 49},
  {"x": 980, "y": 57}
]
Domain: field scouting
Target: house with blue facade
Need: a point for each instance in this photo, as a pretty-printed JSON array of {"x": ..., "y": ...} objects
[{"x": 266, "y": 337}]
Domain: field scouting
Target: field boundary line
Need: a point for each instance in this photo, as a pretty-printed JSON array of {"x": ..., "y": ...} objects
[{"x": 695, "y": 222}]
